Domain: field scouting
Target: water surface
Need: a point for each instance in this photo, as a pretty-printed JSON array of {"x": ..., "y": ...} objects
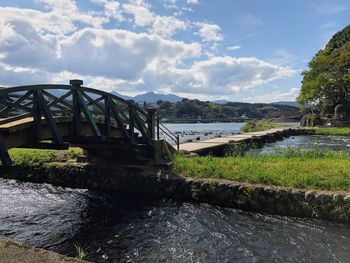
[
  {"x": 322, "y": 142},
  {"x": 116, "y": 230}
]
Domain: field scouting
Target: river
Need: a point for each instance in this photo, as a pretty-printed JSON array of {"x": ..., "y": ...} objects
[
  {"x": 112, "y": 229},
  {"x": 116, "y": 230}
]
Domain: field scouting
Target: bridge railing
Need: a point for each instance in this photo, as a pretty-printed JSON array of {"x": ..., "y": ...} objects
[
  {"x": 168, "y": 134},
  {"x": 81, "y": 104}
]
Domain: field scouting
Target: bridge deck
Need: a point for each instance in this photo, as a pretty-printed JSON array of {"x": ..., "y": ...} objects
[{"x": 207, "y": 145}]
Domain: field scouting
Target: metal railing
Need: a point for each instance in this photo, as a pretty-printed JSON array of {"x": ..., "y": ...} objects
[{"x": 174, "y": 137}]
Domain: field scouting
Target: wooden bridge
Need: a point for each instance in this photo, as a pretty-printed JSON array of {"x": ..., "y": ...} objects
[{"x": 107, "y": 127}]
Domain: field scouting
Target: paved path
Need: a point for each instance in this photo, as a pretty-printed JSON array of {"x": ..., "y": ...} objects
[
  {"x": 15, "y": 252},
  {"x": 207, "y": 145}
]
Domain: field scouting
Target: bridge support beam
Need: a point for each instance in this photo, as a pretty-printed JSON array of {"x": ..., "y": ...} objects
[
  {"x": 4, "y": 154},
  {"x": 43, "y": 109}
]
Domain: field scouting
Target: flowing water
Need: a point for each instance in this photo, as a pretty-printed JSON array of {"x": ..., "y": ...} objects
[
  {"x": 322, "y": 142},
  {"x": 116, "y": 230}
]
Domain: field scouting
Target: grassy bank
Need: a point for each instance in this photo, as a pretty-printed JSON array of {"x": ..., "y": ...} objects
[
  {"x": 259, "y": 125},
  {"x": 332, "y": 131},
  {"x": 309, "y": 169},
  {"x": 38, "y": 157}
]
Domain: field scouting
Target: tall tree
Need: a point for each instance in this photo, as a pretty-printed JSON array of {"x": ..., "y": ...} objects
[{"x": 326, "y": 83}]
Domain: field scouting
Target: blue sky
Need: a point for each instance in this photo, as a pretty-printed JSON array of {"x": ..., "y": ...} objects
[{"x": 248, "y": 50}]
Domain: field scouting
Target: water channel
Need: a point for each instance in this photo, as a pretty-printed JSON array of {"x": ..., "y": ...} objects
[
  {"x": 116, "y": 230},
  {"x": 113, "y": 229}
]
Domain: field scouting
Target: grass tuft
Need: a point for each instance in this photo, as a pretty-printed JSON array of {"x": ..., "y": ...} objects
[
  {"x": 256, "y": 125},
  {"x": 332, "y": 131},
  {"x": 36, "y": 157},
  {"x": 292, "y": 168}
]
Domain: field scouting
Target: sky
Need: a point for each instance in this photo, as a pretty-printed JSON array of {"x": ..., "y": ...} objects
[{"x": 250, "y": 51}]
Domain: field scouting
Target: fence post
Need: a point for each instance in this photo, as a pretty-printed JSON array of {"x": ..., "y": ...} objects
[
  {"x": 76, "y": 83},
  {"x": 151, "y": 121},
  {"x": 158, "y": 128},
  {"x": 178, "y": 142}
]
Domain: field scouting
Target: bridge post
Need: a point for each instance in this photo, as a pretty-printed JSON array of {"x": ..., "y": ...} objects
[
  {"x": 151, "y": 122},
  {"x": 36, "y": 117},
  {"x": 76, "y": 83},
  {"x": 107, "y": 116},
  {"x": 4, "y": 154},
  {"x": 131, "y": 123}
]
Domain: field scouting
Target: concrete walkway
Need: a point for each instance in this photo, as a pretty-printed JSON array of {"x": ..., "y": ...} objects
[
  {"x": 207, "y": 145},
  {"x": 15, "y": 252}
]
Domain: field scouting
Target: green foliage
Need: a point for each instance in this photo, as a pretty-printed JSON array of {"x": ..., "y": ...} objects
[
  {"x": 326, "y": 82},
  {"x": 292, "y": 168},
  {"x": 333, "y": 131},
  {"x": 35, "y": 157},
  {"x": 79, "y": 251},
  {"x": 205, "y": 110},
  {"x": 259, "y": 125}
]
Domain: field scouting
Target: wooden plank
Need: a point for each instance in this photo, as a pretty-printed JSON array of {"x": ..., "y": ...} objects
[
  {"x": 37, "y": 118},
  {"x": 92, "y": 102},
  {"x": 64, "y": 105},
  {"x": 14, "y": 118},
  {"x": 107, "y": 116},
  {"x": 16, "y": 103},
  {"x": 116, "y": 116},
  {"x": 76, "y": 114},
  {"x": 57, "y": 138},
  {"x": 88, "y": 115}
]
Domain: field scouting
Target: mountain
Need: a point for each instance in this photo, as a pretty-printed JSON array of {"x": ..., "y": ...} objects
[
  {"x": 288, "y": 103},
  {"x": 125, "y": 97},
  {"x": 220, "y": 101},
  {"x": 152, "y": 97}
]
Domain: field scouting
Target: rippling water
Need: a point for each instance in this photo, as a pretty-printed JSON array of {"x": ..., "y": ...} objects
[
  {"x": 324, "y": 142},
  {"x": 116, "y": 230}
]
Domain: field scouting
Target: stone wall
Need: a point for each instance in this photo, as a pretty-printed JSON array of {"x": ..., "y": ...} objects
[{"x": 160, "y": 183}]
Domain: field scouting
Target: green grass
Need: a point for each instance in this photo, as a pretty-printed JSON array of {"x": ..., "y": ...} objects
[
  {"x": 34, "y": 157},
  {"x": 256, "y": 125},
  {"x": 332, "y": 131},
  {"x": 309, "y": 169}
]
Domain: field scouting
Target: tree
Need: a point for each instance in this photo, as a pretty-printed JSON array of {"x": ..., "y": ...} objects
[{"x": 326, "y": 83}]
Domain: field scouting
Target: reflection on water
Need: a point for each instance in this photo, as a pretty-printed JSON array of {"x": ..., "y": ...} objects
[
  {"x": 116, "y": 230},
  {"x": 324, "y": 142}
]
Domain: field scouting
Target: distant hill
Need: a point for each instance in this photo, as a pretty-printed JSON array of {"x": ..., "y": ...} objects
[
  {"x": 288, "y": 103},
  {"x": 220, "y": 101},
  {"x": 150, "y": 97},
  {"x": 125, "y": 97}
]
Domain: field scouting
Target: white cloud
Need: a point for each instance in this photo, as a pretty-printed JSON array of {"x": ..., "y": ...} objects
[
  {"x": 111, "y": 9},
  {"x": 233, "y": 47},
  {"x": 209, "y": 32},
  {"x": 192, "y": 2},
  {"x": 164, "y": 26},
  {"x": 275, "y": 96},
  {"x": 142, "y": 16},
  {"x": 49, "y": 46}
]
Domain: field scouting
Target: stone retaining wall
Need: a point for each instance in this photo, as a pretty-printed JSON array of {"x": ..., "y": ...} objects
[{"x": 161, "y": 183}]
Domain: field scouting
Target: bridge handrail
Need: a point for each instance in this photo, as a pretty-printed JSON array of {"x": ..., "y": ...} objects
[
  {"x": 17, "y": 106},
  {"x": 168, "y": 133}
]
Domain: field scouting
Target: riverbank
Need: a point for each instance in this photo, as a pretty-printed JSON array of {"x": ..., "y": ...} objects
[
  {"x": 16, "y": 252},
  {"x": 164, "y": 183}
]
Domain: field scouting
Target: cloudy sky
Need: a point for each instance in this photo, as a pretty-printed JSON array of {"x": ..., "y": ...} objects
[{"x": 249, "y": 50}]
